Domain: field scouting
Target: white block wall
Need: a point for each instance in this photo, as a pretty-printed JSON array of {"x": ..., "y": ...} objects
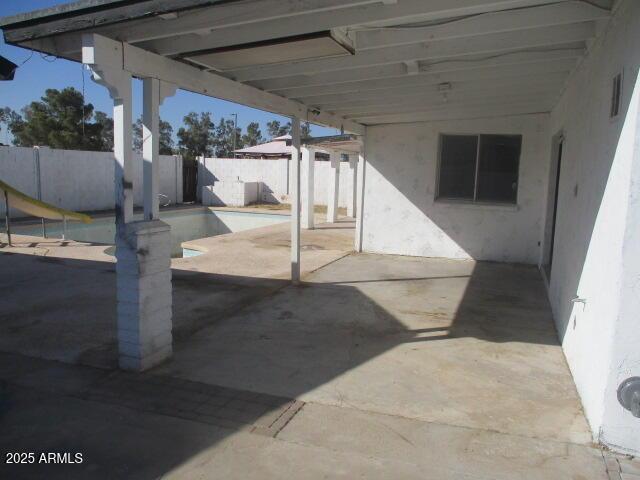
[
  {"x": 230, "y": 193},
  {"x": 273, "y": 176},
  {"x": 402, "y": 216},
  {"x": 79, "y": 180},
  {"x": 597, "y": 247}
]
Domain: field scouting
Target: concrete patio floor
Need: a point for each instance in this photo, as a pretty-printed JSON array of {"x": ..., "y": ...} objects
[
  {"x": 375, "y": 367},
  {"x": 59, "y": 301}
]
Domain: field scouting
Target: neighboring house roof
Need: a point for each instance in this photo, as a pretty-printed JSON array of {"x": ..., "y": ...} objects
[{"x": 278, "y": 147}]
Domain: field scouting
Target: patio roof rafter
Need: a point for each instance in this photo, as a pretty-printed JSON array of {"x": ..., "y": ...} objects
[
  {"x": 380, "y": 86},
  {"x": 273, "y": 19},
  {"x": 550, "y": 82},
  {"x": 102, "y": 51},
  {"x": 318, "y": 60},
  {"x": 489, "y": 44},
  {"x": 460, "y": 68}
]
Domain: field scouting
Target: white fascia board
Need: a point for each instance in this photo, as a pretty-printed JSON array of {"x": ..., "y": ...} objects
[{"x": 102, "y": 51}]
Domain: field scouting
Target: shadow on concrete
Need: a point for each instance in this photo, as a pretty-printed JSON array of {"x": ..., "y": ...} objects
[
  {"x": 576, "y": 223},
  {"x": 247, "y": 335}
]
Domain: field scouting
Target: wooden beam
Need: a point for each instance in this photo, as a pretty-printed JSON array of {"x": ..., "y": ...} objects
[
  {"x": 481, "y": 45},
  {"x": 494, "y": 22},
  {"x": 434, "y": 99},
  {"x": 564, "y": 58},
  {"x": 104, "y": 51},
  {"x": 520, "y": 82},
  {"x": 270, "y": 19},
  {"x": 234, "y": 17},
  {"x": 438, "y": 104},
  {"x": 458, "y": 113}
]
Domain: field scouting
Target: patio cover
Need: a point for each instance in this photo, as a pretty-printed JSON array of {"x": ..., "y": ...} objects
[{"x": 375, "y": 61}]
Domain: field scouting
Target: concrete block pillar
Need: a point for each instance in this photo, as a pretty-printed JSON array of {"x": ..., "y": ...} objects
[
  {"x": 143, "y": 253},
  {"x": 334, "y": 188},
  {"x": 352, "y": 205},
  {"x": 308, "y": 168}
]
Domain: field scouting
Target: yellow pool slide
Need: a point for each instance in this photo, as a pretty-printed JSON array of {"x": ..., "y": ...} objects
[{"x": 32, "y": 206}]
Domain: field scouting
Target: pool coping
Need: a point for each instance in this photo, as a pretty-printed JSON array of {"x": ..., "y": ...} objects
[{"x": 99, "y": 214}]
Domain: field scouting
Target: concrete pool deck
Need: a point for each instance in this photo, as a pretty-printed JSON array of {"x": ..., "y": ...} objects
[
  {"x": 57, "y": 285},
  {"x": 375, "y": 367}
]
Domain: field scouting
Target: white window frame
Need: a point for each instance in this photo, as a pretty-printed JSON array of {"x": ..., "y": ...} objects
[{"x": 474, "y": 200}]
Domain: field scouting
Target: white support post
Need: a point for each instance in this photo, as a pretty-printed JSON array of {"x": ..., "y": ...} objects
[
  {"x": 154, "y": 92},
  {"x": 143, "y": 249},
  {"x": 308, "y": 168},
  {"x": 295, "y": 200},
  {"x": 122, "y": 148},
  {"x": 352, "y": 207},
  {"x": 360, "y": 201},
  {"x": 334, "y": 188},
  {"x": 150, "y": 146}
]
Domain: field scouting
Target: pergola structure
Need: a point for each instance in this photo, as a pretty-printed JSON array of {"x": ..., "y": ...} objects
[{"x": 346, "y": 64}]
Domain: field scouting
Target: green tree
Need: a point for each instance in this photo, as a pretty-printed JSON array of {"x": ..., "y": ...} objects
[
  {"x": 196, "y": 137},
  {"x": 253, "y": 135},
  {"x": 60, "y": 120},
  {"x": 224, "y": 137},
  {"x": 106, "y": 132},
  {"x": 166, "y": 137},
  {"x": 7, "y": 118},
  {"x": 275, "y": 129}
]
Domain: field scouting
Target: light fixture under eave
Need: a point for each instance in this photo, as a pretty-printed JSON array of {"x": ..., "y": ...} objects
[{"x": 280, "y": 50}]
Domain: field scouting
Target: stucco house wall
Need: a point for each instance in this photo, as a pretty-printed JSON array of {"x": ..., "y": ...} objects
[
  {"x": 402, "y": 215},
  {"x": 594, "y": 257}
]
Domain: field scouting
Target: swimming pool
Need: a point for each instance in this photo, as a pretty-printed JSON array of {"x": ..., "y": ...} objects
[{"x": 186, "y": 224}]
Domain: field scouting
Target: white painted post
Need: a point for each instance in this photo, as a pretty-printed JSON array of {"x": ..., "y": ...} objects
[
  {"x": 334, "y": 188},
  {"x": 143, "y": 249},
  {"x": 352, "y": 207},
  {"x": 150, "y": 146},
  {"x": 295, "y": 200},
  {"x": 154, "y": 92},
  {"x": 122, "y": 149},
  {"x": 308, "y": 168},
  {"x": 360, "y": 201}
]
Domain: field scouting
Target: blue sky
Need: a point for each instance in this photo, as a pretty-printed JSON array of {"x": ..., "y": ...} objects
[{"x": 38, "y": 73}]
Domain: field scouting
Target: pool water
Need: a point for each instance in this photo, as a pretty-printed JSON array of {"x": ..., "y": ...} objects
[{"x": 188, "y": 224}]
